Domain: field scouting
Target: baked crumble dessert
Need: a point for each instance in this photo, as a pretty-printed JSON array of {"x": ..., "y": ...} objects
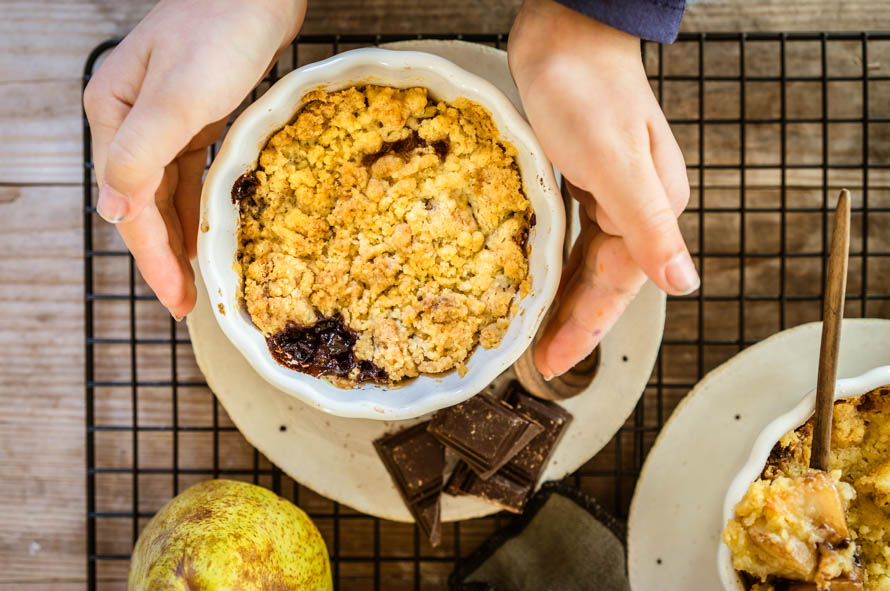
[
  {"x": 799, "y": 529},
  {"x": 383, "y": 235}
]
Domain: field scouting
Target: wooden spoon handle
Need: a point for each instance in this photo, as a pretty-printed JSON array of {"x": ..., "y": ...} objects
[{"x": 832, "y": 316}]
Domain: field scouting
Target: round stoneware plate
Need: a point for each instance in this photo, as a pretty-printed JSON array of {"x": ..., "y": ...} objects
[
  {"x": 335, "y": 457},
  {"x": 676, "y": 514}
]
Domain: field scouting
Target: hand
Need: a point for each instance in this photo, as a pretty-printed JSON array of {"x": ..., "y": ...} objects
[
  {"x": 155, "y": 105},
  {"x": 584, "y": 89}
]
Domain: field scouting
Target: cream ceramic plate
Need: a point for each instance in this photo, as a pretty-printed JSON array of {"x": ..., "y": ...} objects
[
  {"x": 334, "y": 455},
  {"x": 676, "y": 516}
]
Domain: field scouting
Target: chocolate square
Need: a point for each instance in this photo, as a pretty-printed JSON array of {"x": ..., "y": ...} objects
[
  {"x": 511, "y": 487},
  {"x": 530, "y": 462},
  {"x": 416, "y": 460},
  {"x": 499, "y": 489},
  {"x": 484, "y": 432}
]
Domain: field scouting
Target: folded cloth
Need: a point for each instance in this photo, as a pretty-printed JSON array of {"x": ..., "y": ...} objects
[{"x": 564, "y": 541}]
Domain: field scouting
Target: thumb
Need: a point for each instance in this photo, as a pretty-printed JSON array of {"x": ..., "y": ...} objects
[{"x": 155, "y": 130}]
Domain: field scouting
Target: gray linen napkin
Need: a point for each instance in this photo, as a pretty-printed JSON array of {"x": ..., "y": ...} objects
[{"x": 564, "y": 541}]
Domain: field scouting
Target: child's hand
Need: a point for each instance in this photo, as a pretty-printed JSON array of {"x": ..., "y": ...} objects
[
  {"x": 585, "y": 91},
  {"x": 156, "y": 104}
]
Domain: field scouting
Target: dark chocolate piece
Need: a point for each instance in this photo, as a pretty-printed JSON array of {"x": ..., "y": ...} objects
[
  {"x": 428, "y": 514},
  {"x": 499, "y": 489},
  {"x": 324, "y": 348},
  {"x": 530, "y": 462},
  {"x": 511, "y": 487},
  {"x": 484, "y": 432},
  {"x": 416, "y": 460},
  {"x": 405, "y": 146}
]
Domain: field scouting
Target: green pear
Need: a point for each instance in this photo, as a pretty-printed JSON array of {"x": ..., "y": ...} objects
[{"x": 222, "y": 535}]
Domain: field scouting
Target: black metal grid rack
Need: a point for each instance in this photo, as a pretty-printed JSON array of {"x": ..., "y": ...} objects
[{"x": 772, "y": 125}]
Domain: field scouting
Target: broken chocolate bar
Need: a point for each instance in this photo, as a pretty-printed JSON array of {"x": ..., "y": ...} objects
[
  {"x": 415, "y": 460},
  {"x": 530, "y": 462},
  {"x": 511, "y": 487},
  {"x": 484, "y": 432},
  {"x": 499, "y": 489}
]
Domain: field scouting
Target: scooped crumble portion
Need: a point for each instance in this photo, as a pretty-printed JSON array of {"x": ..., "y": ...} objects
[
  {"x": 784, "y": 532},
  {"x": 401, "y": 217}
]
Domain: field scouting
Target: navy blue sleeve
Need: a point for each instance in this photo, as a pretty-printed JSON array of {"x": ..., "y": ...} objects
[{"x": 654, "y": 20}]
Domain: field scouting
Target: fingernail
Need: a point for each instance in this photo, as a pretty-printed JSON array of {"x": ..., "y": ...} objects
[
  {"x": 175, "y": 317},
  {"x": 681, "y": 275},
  {"x": 112, "y": 205},
  {"x": 550, "y": 373},
  {"x": 539, "y": 361}
]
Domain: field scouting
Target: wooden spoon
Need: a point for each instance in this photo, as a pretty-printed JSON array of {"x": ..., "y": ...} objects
[{"x": 832, "y": 316}]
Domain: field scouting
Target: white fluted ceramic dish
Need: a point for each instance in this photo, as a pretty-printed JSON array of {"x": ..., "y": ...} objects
[
  {"x": 677, "y": 513},
  {"x": 217, "y": 240},
  {"x": 334, "y": 456}
]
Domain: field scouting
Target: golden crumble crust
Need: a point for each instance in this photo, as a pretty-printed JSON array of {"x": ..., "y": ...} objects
[{"x": 404, "y": 216}]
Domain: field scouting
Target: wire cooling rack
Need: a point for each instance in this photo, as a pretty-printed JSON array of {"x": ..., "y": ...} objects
[{"x": 772, "y": 125}]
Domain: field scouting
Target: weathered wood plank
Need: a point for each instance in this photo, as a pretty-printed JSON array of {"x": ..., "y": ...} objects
[
  {"x": 785, "y": 15},
  {"x": 41, "y": 394}
]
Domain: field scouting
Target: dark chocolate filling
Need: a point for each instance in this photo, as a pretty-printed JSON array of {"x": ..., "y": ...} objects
[
  {"x": 522, "y": 238},
  {"x": 244, "y": 193},
  {"x": 245, "y": 187},
  {"x": 322, "y": 349},
  {"x": 842, "y": 545},
  {"x": 872, "y": 400},
  {"x": 405, "y": 146}
]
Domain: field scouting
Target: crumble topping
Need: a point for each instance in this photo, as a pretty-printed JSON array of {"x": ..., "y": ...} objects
[{"x": 396, "y": 218}]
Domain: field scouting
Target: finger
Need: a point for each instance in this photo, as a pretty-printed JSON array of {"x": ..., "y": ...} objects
[
  {"x": 595, "y": 298},
  {"x": 630, "y": 192},
  {"x": 593, "y": 210},
  {"x": 107, "y": 100},
  {"x": 585, "y": 200},
  {"x": 174, "y": 104},
  {"x": 576, "y": 256},
  {"x": 187, "y": 197},
  {"x": 159, "y": 125},
  {"x": 605, "y": 222},
  {"x": 154, "y": 237},
  {"x": 670, "y": 167},
  {"x": 208, "y": 135},
  {"x": 669, "y": 164}
]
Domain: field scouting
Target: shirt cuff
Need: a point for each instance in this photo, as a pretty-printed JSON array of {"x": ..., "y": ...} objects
[{"x": 653, "y": 20}]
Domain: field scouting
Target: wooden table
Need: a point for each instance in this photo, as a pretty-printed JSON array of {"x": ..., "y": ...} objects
[{"x": 43, "y": 44}]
